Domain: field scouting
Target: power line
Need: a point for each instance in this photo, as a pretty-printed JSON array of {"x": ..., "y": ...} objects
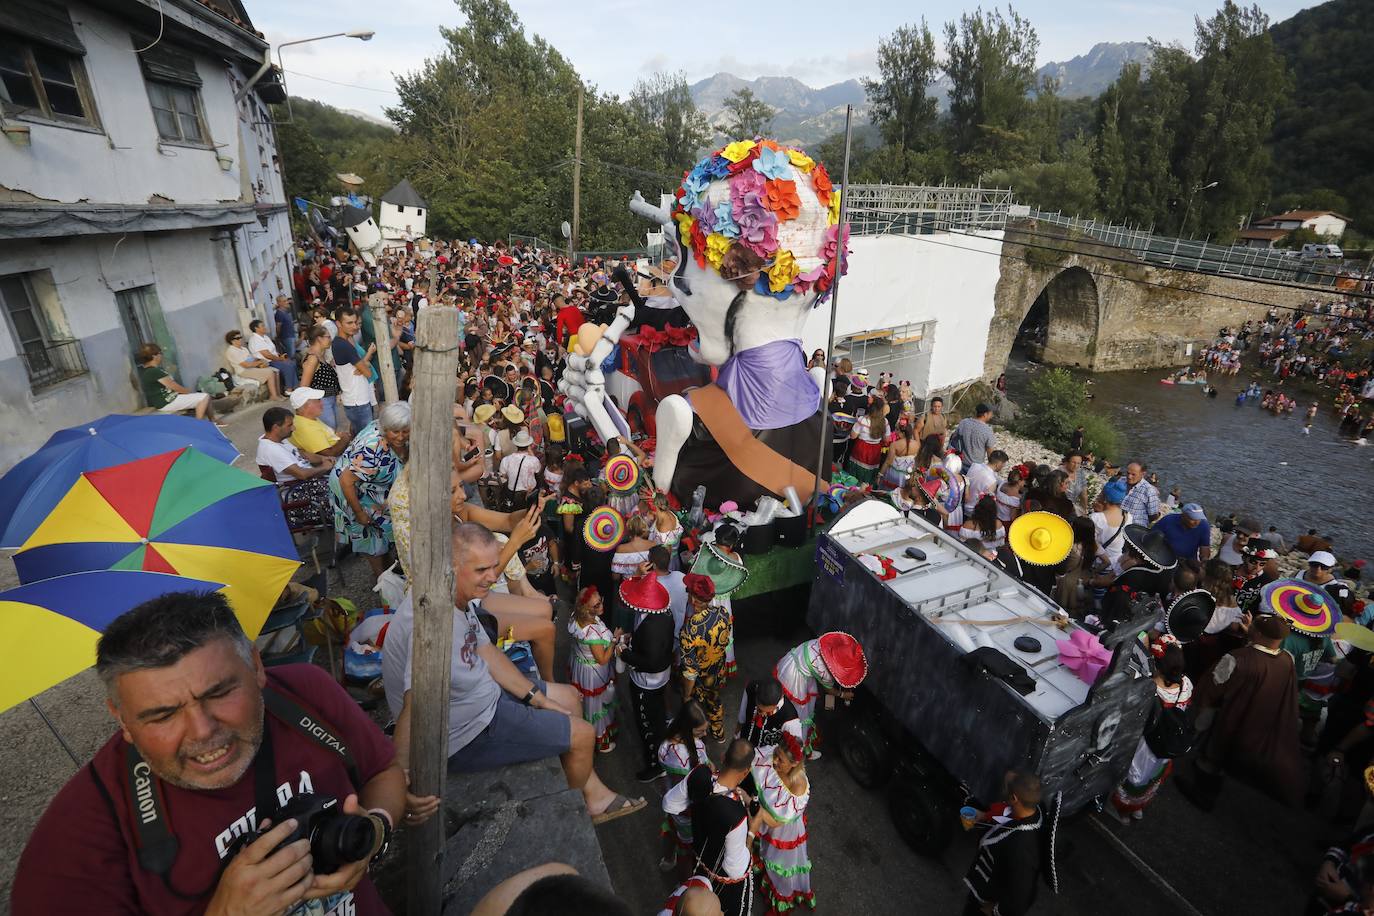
[
  {"x": 349, "y": 85},
  {"x": 1110, "y": 276},
  {"x": 939, "y": 225}
]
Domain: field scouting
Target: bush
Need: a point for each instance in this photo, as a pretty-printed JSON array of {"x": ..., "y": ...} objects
[
  {"x": 1055, "y": 405},
  {"x": 1099, "y": 436}
]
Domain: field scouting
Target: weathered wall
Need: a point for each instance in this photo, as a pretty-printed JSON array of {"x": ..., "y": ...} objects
[
  {"x": 199, "y": 295},
  {"x": 1142, "y": 316}
]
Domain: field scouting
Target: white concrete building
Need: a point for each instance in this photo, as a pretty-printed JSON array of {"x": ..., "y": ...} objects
[
  {"x": 403, "y": 214},
  {"x": 1323, "y": 222},
  {"x": 138, "y": 202}
]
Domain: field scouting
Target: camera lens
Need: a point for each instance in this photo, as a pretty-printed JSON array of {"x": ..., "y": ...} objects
[{"x": 341, "y": 839}]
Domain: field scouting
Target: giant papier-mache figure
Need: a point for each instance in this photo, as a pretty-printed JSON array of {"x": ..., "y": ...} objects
[{"x": 753, "y": 235}]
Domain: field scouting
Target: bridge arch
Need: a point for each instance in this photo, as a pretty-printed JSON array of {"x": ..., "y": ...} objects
[{"x": 1072, "y": 308}]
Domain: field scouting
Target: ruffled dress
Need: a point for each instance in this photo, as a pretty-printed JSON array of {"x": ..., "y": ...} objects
[
  {"x": 595, "y": 682},
  {"x": 672, "y": 756},
  {"x": 1148, "y": 771},
  {"x": 782, "y": 858},
  {"x": 802, "y": 674}
]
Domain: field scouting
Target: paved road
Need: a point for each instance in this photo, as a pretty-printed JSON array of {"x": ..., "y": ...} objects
[{"x": 1250, "y": 857}]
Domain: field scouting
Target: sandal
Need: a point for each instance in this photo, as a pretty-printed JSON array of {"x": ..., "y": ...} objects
[{"x": 619, "y": 807}]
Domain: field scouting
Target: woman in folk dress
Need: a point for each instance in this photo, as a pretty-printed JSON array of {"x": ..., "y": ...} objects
[
  {"x": 680, "y": 752},
  {"x": 1148, "y": 770},
  {"x": 783, "y": 793},
  {"x": 589, "y": 666}
]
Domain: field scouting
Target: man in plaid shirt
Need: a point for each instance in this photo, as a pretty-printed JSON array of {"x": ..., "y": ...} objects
[{"x": 1142, "y": 499}]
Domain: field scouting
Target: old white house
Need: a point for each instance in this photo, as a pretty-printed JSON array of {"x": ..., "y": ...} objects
[{"x": 139, "y": 202}]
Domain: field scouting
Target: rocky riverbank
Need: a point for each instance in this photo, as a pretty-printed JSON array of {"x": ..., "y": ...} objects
[{"x": 1022, "y": 450}]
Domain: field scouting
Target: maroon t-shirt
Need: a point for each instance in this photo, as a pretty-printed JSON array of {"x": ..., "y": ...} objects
[{"x": 80, "y": 860}]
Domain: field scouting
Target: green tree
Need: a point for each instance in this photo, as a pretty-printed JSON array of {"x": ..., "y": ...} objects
[
  {"x": 1047, "y": 113},
  {"x": 1054, "y": 407},
  {"x": 305, "y": 170},
  {"x": 1066, "y": 184},
  {"x": 749, "y": 116},
  {"x": 900, "y": 104},
  {"x": 991, "y": 67},
  {"x": 1237, "y": 82},
  {"x": 664, "y": 101}
]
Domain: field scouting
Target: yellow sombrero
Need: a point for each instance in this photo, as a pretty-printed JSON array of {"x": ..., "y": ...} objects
[{"x": 1040, "y": 538}]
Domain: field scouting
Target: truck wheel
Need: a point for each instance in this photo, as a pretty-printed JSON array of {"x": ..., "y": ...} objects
[
  {"x": 865, "y": 753},
  {"x": 923, "y": 818}
]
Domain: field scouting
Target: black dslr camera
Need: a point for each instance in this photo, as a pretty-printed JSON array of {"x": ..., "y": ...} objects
[{"x": 335, "y": 838}]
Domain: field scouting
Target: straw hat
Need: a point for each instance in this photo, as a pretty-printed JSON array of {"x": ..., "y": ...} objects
[
  {"x": 1040, "y": 538},
  {"x": 513, "y": 414},
  {"x": 483, "y": 412}
]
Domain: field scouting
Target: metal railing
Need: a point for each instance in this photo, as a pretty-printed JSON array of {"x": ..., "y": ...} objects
[
  {"x": 1206, "y": 257},
  {"x": 52, "y": 363},
  {"x": 881, "y": 209}
]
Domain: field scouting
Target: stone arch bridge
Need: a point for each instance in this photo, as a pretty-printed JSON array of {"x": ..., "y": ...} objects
[{"x": 1109, "y": 310}]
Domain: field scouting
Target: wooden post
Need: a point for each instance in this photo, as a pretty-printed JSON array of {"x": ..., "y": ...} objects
[
  {"x": 431, "y": 568},
  {"x": 381, "y": 332},
  {"x": 577, "y": 180}
]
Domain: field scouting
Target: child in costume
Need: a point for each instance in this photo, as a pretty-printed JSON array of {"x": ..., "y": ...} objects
[
  {"x": 682, "y": 750},
  {"x": 589, "y": 666}
]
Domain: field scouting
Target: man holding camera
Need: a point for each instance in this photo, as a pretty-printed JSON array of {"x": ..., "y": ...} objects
[{"x": 230, "y": 790}]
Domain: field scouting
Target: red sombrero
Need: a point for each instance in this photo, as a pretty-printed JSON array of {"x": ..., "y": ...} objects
[
  {"x": 844, "y": 658},
  {"x": 644, "y": 593}
]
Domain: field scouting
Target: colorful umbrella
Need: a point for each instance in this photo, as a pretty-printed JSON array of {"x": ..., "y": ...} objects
[
  {"x": 33, "y": 486},
  {"x": 52, "y": 626},
  {"x": 180, "y": 512}
]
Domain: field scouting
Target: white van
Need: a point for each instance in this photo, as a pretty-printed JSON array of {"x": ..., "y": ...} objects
[{"x": 1320, "y": 250}]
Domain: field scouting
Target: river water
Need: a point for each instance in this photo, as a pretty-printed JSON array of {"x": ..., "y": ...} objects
[{"x": 1237, "y": 459}]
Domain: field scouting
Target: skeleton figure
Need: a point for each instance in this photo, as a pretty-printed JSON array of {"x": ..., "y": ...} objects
[{"x": 754, "y": 234}]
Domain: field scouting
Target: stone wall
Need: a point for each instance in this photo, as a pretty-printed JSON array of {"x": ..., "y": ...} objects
[{"x": 1108, "y": 314}]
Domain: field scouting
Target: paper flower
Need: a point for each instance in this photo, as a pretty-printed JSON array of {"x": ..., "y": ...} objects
[
  {"x": 780, "y": 196},
  {"x": 705, "y": 215},
  {"x": 747, "y": 163},
  {"x": 698, "y": 244},
  {"x": 803, "y": 162},
  {"x": 762, "y": 287},
  {"x": 783, "y": 270},
  {"x": 1082, "y": 654},
  {"x": 684, "y": 227},
  {"x": 725, "y": 220},
  {"x": 735, "y": 152},
  {"x": 715, "y": 166},
  {"x": 716, "y": 246},
  {"x": 747, "y": 182},
  {"x": 773, "y": 163},
  {"x": 820, "y": 180},
  {"x": 758, "y": 228},
  {"x": 833, "y": 217}
]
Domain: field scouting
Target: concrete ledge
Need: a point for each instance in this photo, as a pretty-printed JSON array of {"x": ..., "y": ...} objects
[{"x": 510, "y": 820}]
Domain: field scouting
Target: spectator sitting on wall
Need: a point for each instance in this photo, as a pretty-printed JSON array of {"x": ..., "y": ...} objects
[
  {"x": 262, "y": 346},
  {"x": 162, "y": 391}
]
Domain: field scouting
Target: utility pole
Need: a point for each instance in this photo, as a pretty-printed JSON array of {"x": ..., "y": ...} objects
[
  {"x": 577, "y": 179},
  {"x": 431, "y": 465},
  {"x": 381, "y": 332}
]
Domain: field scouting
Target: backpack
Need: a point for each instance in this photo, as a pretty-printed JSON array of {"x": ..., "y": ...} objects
[
  {"x": 1170, "y": 732},
  {"x": 212, "y": 386}
]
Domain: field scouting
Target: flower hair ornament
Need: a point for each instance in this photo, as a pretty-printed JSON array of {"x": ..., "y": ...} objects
[
  {"x": 1161, "y": 643},
  {"x": 765, "y": 216}
]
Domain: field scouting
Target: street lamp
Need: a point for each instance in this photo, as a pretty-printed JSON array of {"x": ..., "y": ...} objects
[
  {"x": 1187, "y": 210},
  {"x": 360, "y": 34}
]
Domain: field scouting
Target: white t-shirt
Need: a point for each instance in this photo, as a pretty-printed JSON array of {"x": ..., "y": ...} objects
[
  {"x": 237, "y": 356},
  {"x": 258, "y": 343},
  {"x": 279, "y": 456},
  {"x": 519, "y": 471},
  {"x": 982, "y": 481}
]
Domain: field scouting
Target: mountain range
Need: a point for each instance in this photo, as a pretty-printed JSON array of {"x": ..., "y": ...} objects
[{"x": 806, "y": 115}]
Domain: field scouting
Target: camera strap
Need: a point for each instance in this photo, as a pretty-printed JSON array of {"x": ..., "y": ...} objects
[{"x": 157, "y": 845}]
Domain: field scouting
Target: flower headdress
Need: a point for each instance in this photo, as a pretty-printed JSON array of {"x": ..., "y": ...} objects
[{"x": 757, "y": 207}]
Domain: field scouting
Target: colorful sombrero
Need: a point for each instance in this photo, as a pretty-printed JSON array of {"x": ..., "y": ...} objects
[
  {"x": 1189, "y": 614},
  {"x": 645, "y": 593},
  {"x": 1040, "y": 538},
  {"x": 622, "y": 474},
  {"x": 728, "y": 574},
  {"x": 603, "y": 529},
  {"x": 844, "y": 658},
  {"x": 1308, "y": 608}
]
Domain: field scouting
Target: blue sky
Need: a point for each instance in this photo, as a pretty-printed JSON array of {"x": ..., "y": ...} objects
[{"x": 612, "y": 43}]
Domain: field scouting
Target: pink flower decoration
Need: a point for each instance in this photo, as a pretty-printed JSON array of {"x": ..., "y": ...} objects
[
  {"x": 746, "y": 183},
  {"x": 758, "y": 228},
  {"x": 1084, "y": 655}
]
